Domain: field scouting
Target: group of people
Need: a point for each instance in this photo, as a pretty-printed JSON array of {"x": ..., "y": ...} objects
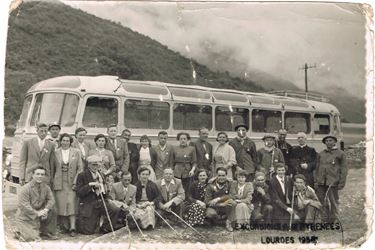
[{"x": 87, "y": 187}]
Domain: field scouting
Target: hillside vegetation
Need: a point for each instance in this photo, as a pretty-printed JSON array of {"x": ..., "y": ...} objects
[{"x": 47, "y": 40}]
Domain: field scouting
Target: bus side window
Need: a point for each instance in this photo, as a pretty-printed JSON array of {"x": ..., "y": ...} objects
[
  {"x": 146, "y": 114},
  {"x": 321, "y": 124},
  {"x": 267, "y": 121},
  {"x": 297, "y": 122},
  {"x": 100, "y": 112},
  {"x": 191, "y": 116},
  {"x": 227, "y": 118}
]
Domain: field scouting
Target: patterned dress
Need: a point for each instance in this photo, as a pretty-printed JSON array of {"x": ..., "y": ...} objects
[{"x": 194, "y": 213}]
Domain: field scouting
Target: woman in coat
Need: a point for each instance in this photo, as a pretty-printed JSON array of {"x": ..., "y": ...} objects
[
  {"x": 241, "y": 192},
  {"x": 108, "y": 164},
  {"x": 224, "y": 155},
  {"x": 146, "y": 197},
  {"x": 67, "y": 164}
]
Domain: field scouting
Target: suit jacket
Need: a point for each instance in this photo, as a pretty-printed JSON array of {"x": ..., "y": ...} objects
[
  {"x": 120, "y": 153},
  {"x": 118, "y": 193},
  {"x": 280, "y": 200},
  {"x": 201, "y": 151},
  {"x": 31, "y": 157},
  {"x": 246, "y": 154},
  {"x": 246, "y": 195},
  {"x": 86, "y": 146},
  {"x": 176, "y": 191},
  {"x": 30, "y": 200},
  {"x": 74, "y": 168},
  {"x": 88, "y": 198}
]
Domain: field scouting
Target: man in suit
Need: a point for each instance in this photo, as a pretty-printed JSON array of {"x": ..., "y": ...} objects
[
  {"x": 90, "y": 188},
  {"x": 118, "y": 147},
  {"x": 36, "y": 215},
  {"x": 123, "y": 194},
  {"x": 284, "y": 146},
  {"x": 36, "y": 152},
  {"x": 303, "y": 159},
  {"x": 261, "y": 200},
  {"x": 281, "y": 188},
  {"x": 54, "y": 132},
  {"x": 246, "y": 152},
  {"x": 172, "y": 192},
  {"x": 161, "y": 155},
  {"x": 133, "y": 155},
  {"x": 203, "y": 149}
]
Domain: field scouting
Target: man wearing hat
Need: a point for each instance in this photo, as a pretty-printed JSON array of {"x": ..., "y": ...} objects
[
  {"x": 246, "y": 152},
  {"x": 54, "y": 131},
  {"x": 90, "y": 188},
  {"x": 36, "y": 152},
  {"x": 303, "y": 159},
  {"x": 261, "y": 200},
  {"x": 268, "y": 156},
  {"x": 330, "y": 176},
  {"x": 284, "y": 146}
]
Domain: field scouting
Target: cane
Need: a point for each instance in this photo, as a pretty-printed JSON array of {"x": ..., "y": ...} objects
[
  {"x": 106, "y": 211},
  {"x": 186, "y": 223},
  {"x": 166, "y": 222},
  {"x": 291, "y": 215},
  {"x": 272, "y": 159},
  {"x": 136, "y": 223}
]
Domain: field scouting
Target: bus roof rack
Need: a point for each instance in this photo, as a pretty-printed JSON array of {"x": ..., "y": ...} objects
[{"x": 315, "y": 96}]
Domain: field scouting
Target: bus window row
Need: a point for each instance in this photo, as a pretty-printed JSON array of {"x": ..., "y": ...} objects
[{"x": 146, "y": 114}]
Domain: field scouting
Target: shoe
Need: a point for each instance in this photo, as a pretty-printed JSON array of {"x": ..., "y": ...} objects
[
  {"x": 73, "y": 233},
  {"x": 48, "y": 236},
  {"x": 229, "y": 226},
  {"x": 17, "y": 235}
]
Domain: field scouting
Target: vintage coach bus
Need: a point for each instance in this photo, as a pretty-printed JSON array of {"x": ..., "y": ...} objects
[{"x": 147, "y": 107}]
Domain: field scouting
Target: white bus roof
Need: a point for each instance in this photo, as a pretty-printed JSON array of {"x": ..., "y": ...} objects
[{"x": 113, "y": 85}]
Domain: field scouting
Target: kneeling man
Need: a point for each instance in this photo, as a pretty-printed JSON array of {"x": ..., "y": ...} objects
[
  {"x": 92, "y": 192},
  {"x": 218, "y": 200},
  {"x": 36, "y": 214},
  {"x": 172, "y": 192}
]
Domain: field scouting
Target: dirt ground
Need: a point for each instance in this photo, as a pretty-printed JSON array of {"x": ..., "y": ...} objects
[{"x": 352, "y": 217}]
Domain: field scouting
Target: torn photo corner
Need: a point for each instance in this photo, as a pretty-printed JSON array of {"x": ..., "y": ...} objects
[{"x": 208, "y": 125}]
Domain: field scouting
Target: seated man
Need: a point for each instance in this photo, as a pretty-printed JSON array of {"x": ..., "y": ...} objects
[
  {"x": 92, "y": 192},
  {"x": 218, "y": 199},
  {"x": 36, "y": 214},
  {"x": 281, "y": 195},
  {"x": 123, "y": 195},
  {"x": 261, "y": 200},
  {"x": 172, "y": 192},
  {"x": 306, "y": 203}
]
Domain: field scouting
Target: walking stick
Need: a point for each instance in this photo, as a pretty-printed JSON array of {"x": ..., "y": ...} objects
[
  {"x": 136, "y": 223},
  {"x": 186, "y": 223},
  {"x": 272, "y": 159},
  {"x": 291, "y": 215},
  {"x": 166, "y": 222},
  {"x": 106, "y": 211}
]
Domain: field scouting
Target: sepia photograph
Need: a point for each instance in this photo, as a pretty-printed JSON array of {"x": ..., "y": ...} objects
[{"x": 187, "y": 125}]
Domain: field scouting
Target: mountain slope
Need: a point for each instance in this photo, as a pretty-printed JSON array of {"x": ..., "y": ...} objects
[{"x": 47, "y": 40}]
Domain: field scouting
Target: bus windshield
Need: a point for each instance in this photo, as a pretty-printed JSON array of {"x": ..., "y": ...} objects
[{"x": 55, "y": 107}]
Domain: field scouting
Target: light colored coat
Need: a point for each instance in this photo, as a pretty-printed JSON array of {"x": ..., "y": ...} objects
[
  {"x": 118, "y": 193},
  {"x": 176, "y": 191},
  {"x": 247, "y": 193},
  {"x": 75, "y": 167},
  {"x": 31, "y": 157}
]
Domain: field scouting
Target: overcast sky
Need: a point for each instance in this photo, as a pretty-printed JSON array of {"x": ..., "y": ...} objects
[{"x": 276, "y": 38}]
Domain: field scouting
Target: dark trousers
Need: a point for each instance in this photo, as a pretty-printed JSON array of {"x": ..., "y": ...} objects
[
  {"x": 262, "y": 214},
  {"x": 329, "y": 201},
  {"x": 49, "y": 225},
  {"x": 308, "y": 215},
  {"x": 90, "y": 224}
]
